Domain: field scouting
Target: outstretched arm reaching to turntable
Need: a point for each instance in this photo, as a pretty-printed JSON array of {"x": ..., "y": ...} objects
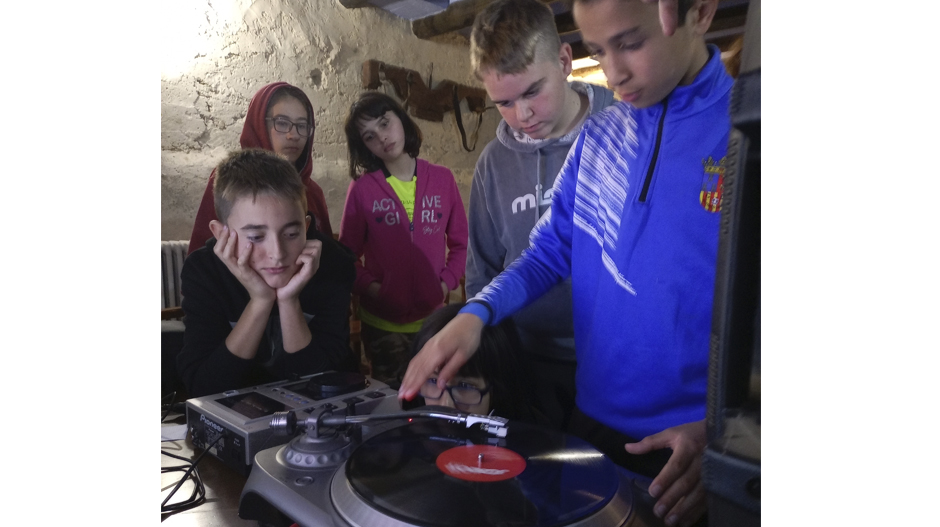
[
  {"x": 448, "y": 350},
  {"x": 678, "y": 487}
]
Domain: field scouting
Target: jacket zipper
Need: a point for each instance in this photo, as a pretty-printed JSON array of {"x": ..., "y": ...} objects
[
  {"x": 659, "y": 138},
  {"x": 411, "y": 221}
]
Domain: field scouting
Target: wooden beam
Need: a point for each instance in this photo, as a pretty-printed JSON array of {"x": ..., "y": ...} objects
[
  {"x": 578, "y": 51},
  {"x": 171, "y": 313},
  {"x": 713, "y": 36},
  {"x": 564, "y": 22},
  {"x": 457, "y": 16},
  {"x": 584, "y": 72},
  {"x": 352, "y": 4},
  {"x": 728, "y": 22}
]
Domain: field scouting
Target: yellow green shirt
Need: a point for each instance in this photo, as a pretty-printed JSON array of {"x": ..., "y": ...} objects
[
  {"x": 385, "y": 325},
  {"x": 405, "y": 190}
]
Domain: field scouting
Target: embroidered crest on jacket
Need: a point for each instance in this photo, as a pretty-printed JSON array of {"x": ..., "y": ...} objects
[{"x": 712, "y": 182}]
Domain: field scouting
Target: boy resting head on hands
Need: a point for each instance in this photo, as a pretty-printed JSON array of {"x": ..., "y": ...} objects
[{"x": 262, "y": 302}]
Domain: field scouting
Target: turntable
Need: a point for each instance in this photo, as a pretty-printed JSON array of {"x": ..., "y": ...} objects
[
  {"x": 233, "y": 426},
  {"x": 438, "y": 467}
]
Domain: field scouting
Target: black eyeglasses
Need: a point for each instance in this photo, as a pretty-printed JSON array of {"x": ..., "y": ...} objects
[
  {"x": 462, "y": 393},
  {"x": 283, "y": 126}
]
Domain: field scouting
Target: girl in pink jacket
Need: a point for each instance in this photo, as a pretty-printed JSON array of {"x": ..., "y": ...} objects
[{"x": 405, "y": 219}]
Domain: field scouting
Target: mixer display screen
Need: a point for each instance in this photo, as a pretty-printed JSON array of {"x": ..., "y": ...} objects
[{"x": 252, "y": 405}]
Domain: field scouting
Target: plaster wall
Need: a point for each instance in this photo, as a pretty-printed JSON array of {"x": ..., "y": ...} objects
[{"x": 218, "y": 53}]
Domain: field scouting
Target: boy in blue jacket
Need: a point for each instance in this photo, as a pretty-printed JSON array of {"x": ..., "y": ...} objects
[{"x": 634, "y": 222}]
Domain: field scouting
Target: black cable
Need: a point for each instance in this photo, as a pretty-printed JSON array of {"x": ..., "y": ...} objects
[
  {"x": 178, "y": 408},
  {"x": 198, "y": 496},
  {"x": 174, "y": 456},
  {"x": 172, "y": 397}
]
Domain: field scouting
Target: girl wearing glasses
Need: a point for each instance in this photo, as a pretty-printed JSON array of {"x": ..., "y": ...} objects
[
  {"x": 405, "y": 219},
  {"x": 279, "y": 119}
]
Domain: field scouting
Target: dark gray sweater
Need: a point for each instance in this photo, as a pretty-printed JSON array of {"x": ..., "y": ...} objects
[{"x": 510, "y": 193}]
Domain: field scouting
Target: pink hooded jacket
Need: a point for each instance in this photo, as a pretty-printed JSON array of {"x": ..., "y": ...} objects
[{"x": 410, "y": 260}]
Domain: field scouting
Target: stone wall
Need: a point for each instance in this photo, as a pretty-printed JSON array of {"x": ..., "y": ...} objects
[{"x": 219, "y": 52}]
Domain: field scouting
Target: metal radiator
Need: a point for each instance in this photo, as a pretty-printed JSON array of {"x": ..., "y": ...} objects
[{"x": 172, "y": 255}]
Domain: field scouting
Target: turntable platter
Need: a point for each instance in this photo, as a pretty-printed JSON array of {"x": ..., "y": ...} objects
[{"x": 435, "y": 474}]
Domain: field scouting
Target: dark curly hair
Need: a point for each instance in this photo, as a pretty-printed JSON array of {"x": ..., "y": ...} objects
[{"x": 372, "y": 105}]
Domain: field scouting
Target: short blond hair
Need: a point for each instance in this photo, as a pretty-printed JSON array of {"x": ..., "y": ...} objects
[
  {"x": 508, "y": 36},
  {"x": 251, "y": 172}
]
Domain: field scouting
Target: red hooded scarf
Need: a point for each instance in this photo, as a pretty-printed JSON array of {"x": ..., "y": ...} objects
[{"x": 255, "y": 135}]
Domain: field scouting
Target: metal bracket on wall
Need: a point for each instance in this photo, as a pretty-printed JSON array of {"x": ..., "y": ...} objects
[{"x": 422, "y": 101}]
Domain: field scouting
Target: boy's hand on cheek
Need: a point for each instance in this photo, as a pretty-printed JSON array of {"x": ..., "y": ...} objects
[
  {"x": 240, "y": 266},
  {"x": 309, "y": 261}
]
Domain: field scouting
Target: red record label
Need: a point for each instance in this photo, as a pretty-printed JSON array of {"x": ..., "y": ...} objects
[{"x": 480, "y": 463}]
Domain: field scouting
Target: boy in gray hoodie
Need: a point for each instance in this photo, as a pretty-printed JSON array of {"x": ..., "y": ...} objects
[{"x": 516, "y": 52}]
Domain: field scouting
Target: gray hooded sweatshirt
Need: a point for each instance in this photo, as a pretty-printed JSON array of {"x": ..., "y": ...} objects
[{"x": 512, "y": 187}]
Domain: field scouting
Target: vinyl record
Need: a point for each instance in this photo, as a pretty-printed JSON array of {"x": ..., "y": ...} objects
[{"x": 436, "y": 473}]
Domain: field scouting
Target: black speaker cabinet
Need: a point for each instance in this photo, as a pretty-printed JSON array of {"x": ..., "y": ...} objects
[{"x": 731, "y": 463}]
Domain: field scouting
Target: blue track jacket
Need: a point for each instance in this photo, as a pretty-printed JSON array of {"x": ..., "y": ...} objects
[{"x": 634, "y": 222}]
